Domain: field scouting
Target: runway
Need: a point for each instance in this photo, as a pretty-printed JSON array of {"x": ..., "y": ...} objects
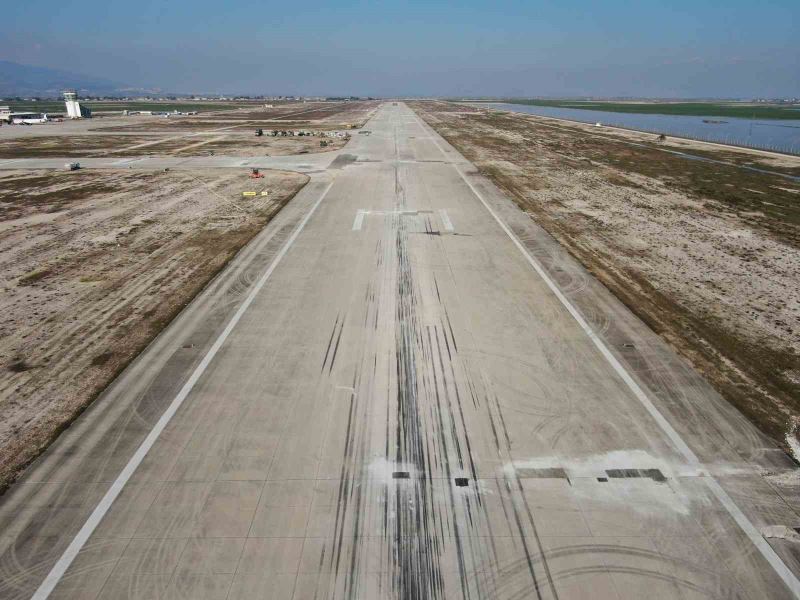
[{"x": 403, "y": 388}]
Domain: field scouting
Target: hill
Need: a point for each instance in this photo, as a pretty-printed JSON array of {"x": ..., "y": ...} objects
[{"x": 18, "y": 80}]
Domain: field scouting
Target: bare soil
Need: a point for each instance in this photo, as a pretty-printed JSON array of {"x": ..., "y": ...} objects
[
  {"x": 182, "y": 144},
  {"x": 304, "y": 116},
  {"x": 707, "y": 254},
  {"x": 94, "y": 264},
  {"x": 262, "y": 146},
  {"x": 229, "y": 132},
  {"x": 64, "y": 145}
]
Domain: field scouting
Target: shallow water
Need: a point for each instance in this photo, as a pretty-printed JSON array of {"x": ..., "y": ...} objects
[{"x": 782, "y": 136}]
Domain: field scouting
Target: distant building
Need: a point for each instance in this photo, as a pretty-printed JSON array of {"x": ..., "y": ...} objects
[{"x": 74, "y": 109}]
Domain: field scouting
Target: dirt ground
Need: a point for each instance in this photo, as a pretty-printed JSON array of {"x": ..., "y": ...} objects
[
  {"x": 261, "y": 146},
  {"x": 94, "y": 264},
  {"x": 234, "y": 144},
  {"x": 707, "y": 254},
  {"x": 228, "y": 133},
  {"x": 324, "y": 116},
  {"x": 65, "y": 145}
]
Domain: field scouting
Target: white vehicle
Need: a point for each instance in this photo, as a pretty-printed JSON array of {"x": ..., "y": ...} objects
[{"x": 28, "y": 118}]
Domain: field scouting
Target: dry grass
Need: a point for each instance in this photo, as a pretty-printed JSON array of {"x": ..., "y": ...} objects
[
  {"x": 87, "y": 287},
  {"x": 707, "y": 254}
]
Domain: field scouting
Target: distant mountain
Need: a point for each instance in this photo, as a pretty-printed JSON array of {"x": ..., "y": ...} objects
[{"x": 25, "y": 80}]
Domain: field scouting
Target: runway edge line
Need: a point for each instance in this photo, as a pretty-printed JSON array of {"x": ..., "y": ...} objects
[
  {"x": 716, "y": 489},
  {"x": 83, "y": 535}
]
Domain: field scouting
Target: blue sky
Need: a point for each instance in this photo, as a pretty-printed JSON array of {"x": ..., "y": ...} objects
[{"x": 675, "y": 48}]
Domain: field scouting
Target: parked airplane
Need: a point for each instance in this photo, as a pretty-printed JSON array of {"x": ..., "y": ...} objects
[{"x": 27, "y": 118}]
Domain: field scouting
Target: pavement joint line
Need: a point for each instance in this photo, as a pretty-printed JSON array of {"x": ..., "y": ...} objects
[
  {"x": 716, "y": 489},
  {"x": 59, "y": 569}
]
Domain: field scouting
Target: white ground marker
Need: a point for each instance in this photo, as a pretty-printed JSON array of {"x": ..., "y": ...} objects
[
  {"x": 716, "y": 489},
  {"x": 359, "y": 220},
  {"x": 63, "y": 563},
  {"x": 448, "y": 224}
]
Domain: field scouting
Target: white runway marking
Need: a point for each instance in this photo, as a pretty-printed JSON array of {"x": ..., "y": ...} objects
[
  {"x": 448, "y": 225},
  {"x": 58, "y": 570},
  {"x": 125, "y": 161},
  {"x": 722, "y": 496},
  {"x": 359, "y": 220}
]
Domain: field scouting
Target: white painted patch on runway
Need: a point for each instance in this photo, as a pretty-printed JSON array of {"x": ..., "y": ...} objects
[
  {"x": 69, "y": 555},
  {"x": 448, "y": 224},
  {"x": 126, "y": 161},
  {"x": 792, "y": 442},
  {"x": 680, "y": 445},
  {"x": 359, "y": 220}
]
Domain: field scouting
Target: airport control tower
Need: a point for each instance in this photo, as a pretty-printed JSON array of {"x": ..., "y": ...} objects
[{"x": 74, "y": 109}]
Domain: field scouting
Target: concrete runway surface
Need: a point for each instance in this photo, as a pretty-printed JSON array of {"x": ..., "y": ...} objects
[{"x": 404, "y": 388}]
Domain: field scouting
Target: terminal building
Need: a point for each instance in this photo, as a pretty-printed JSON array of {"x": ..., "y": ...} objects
[{"x": 74, "y": 109}]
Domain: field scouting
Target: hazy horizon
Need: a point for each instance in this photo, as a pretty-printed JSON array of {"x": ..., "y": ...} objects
[{"x": 650, "y": 50}]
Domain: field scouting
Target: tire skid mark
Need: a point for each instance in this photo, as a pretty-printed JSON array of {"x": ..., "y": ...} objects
[
  {"x": 418, "y": 574},
  {"x": 348, "y": 528},
  {"x": 330, "y": 341},
  {"x": 472, "y": 469},
  {"x": 432, "y": 535},
  {"x": 336, "y": 347},
  {"x": 529, "y": 514},
  {"x": 350, "y": 500},
  {"x": 426, "y": 437}
]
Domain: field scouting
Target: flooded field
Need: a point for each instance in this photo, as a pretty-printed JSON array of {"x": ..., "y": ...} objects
[{"x": 765, "y": 134}]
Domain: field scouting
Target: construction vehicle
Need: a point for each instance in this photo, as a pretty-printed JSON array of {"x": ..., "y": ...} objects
[
  {"x": 323, "y": 144},
  {"x": 255, "y": 174},
  {"x": 259, "y": 132},
  {"x": 74, "y": 166}
]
